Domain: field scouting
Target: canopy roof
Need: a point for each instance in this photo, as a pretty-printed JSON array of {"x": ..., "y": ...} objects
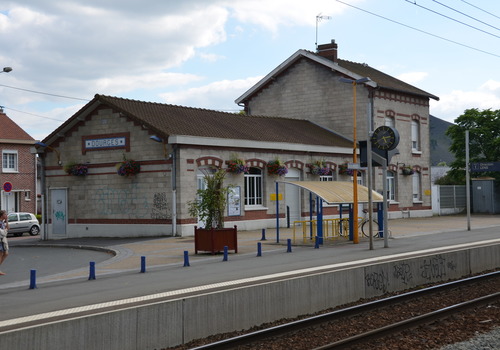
[{"x": 336, "y": 192}]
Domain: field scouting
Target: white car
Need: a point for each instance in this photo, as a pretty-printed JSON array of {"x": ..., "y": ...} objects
[{"x": 23, "y": 222}]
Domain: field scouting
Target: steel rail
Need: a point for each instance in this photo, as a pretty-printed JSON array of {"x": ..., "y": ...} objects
[
  {"x": 276, "y": 331},
  {"x": 411, "y": 322}
]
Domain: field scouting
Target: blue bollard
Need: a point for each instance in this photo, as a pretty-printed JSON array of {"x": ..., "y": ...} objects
[
  {"x": 289, "y": 245},
  {"x": 263, "y": 234},
  {"x": 143, "y": 264},
  {"x": 225, "y": 253},
  {"x": 92, "y": 271},
  {"x": 33, "y": 279},
  {"x": 316, "y": 243},
  {"x": 259, "y": 249},
  {"x": 186, "y": 258}
]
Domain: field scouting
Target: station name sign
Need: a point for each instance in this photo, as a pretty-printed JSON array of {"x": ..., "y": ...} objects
[
  {"x": 485, "y": 166},
  {"x": 106, "y": 142}
]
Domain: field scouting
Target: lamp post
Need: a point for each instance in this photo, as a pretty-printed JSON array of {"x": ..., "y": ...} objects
[
  {"x": 354, "y": 83},
  {"x": 6, "y": 70},
  {"x": 173, "y": 180}
]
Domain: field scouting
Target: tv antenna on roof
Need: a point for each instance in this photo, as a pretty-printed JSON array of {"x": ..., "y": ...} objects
[{"x": 319, "y": 17}]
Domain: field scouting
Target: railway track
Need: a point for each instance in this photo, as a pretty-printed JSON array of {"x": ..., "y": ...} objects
[{"x": 364, "y": 323}]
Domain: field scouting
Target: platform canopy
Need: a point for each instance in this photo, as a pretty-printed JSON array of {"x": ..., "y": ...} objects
[{"x": 336, "y": 192}]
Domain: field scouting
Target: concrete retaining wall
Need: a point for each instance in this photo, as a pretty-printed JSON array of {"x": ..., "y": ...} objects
[{"x": 173, "y": 322}]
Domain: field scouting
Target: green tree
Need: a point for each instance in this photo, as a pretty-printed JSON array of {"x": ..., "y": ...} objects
[{"x": 484, "y": 141}]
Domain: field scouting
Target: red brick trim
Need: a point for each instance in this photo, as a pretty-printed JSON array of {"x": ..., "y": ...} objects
[
  {"x": 295, "y": 164},
  {"x": 210, "y": 161},
  {"x": 256, "y": 163}
]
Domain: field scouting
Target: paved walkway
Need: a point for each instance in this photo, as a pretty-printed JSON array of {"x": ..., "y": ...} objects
[{"x": 160, "y": 252}]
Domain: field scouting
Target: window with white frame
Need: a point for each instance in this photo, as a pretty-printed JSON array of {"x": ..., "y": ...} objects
[
  {"x": 416, "y": 187},
  {"x": 27, "y": 195},
  {"x": 253, "y": 187},
  {"x": 9, "y": 161},
  {"x": 391, "y": 186},
  {"x": 389, "y": 121},
  {"x": 415, "y": 135}
]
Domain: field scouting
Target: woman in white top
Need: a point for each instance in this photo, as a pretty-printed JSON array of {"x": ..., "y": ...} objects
[{"x": 4, "y": 245}]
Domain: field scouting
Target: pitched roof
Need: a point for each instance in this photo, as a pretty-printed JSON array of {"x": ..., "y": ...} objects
[
  {"x": 9, "y": 130},
  {"x": 169, "y": 120},
  {"x": 350, "y": 69}
]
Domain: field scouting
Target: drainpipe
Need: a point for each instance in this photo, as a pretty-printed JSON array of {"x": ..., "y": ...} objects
[{"x": 174, "y": 190}]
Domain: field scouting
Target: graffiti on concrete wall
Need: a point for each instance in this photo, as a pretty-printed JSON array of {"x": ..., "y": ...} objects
[
  {"x": 121, "y": 201},
  {"x": 160, "y": 208},
  {"x": 377, "y": 280},
  {"x": 402, "y": 272},
  {"x": 434, "y": 267},
  {"x": 133, "y": 201}
]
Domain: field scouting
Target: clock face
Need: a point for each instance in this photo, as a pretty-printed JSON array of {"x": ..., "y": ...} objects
[{"x": 385, "y": 138}]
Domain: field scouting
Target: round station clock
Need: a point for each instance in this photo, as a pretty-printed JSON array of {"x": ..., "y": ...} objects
[{"x": 385, "y": 138}]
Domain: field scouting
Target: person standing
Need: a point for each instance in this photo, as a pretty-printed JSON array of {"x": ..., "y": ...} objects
[{"x": 4, "y": 245}]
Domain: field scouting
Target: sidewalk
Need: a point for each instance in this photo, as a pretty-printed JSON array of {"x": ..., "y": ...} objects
[{"x": 169, "y": 251}]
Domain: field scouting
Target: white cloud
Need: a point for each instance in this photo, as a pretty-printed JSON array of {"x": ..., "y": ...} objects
[
  {"x": 452, "y": 105},
  {"x": 219, "y": 95},
  {"x": 412, "y": 77}
]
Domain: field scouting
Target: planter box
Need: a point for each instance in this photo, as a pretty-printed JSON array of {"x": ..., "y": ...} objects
[{"x": 214, "y": 240}]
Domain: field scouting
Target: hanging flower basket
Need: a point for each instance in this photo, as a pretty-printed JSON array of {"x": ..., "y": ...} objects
[
  {"x": 407, "y": 170},
  {"x": 76, "y": 169},
  {"x": 236, "y": 166},
  {"x": 343, "y": 170},
  {"x": 276, "y": 167},
  {"x": 128, "y": 168},
  {"x": 319, "y": 168}
]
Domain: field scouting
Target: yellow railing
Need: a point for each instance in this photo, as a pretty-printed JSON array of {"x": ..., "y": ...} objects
[{"x": 332, "y": 228}]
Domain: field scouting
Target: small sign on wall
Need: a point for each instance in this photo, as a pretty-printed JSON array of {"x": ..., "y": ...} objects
[
  {"x": 234, "y": 201},
  {"x": 272, "y": 196}
]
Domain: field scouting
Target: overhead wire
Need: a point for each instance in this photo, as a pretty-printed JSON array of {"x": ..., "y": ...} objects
[
  {"x": 35, "y": 115},
  {"x": 45, "y": 93},
  {"x": 466, "y": 15},
  {"x": 420, "y": 30},
  {"x": 451, "y": 18},
  {"x": 480, "y": 9}
]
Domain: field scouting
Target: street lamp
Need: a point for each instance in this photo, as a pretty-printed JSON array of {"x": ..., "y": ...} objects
[
  {"x": 41, "y": 144},
  {"x": 173, "y": 180},
  {"x": 354, "y": 155},
  {"x": 6, "y": 70}
]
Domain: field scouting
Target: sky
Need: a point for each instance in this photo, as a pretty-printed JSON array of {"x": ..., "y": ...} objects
[{"x": 207, "y": 53}]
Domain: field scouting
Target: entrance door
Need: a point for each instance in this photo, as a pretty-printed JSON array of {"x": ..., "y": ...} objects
[
  {"x": 292, "y": 195},
  {"x": 59, "y": 210},
  {"x": 10, "y": 201}
]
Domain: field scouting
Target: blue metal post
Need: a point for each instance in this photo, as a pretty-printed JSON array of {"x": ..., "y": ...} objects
[
  {"x": 259, "y": 249},
  {"x": 33, "y": 279},
  {"x": 277, "y": 215},
  {"x": 316, "y": 244},
  {"x": 380, "y": 218},
  {"x": 143, "y": 264},
  {"x": 311, "y": 208},
  {"x": 263, "y": 234},
  {"x": 92, "y": 271},
  {"x": 225, "y": 253},
  {"x": 289, "y": 245},
  {"x": 319, "y": 204},
  {"x": 186, "y": 258}
]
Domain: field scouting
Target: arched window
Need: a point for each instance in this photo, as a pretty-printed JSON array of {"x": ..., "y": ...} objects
[
  {"x": 253, "y": 187},
  {"x": 416, "y": 187},
  {"x": 391, "y": 186},
  {"x": 415, "y": 135}
]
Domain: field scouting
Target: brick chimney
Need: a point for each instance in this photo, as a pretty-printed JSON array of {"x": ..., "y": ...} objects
[{"x": 328, "y": 51}]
